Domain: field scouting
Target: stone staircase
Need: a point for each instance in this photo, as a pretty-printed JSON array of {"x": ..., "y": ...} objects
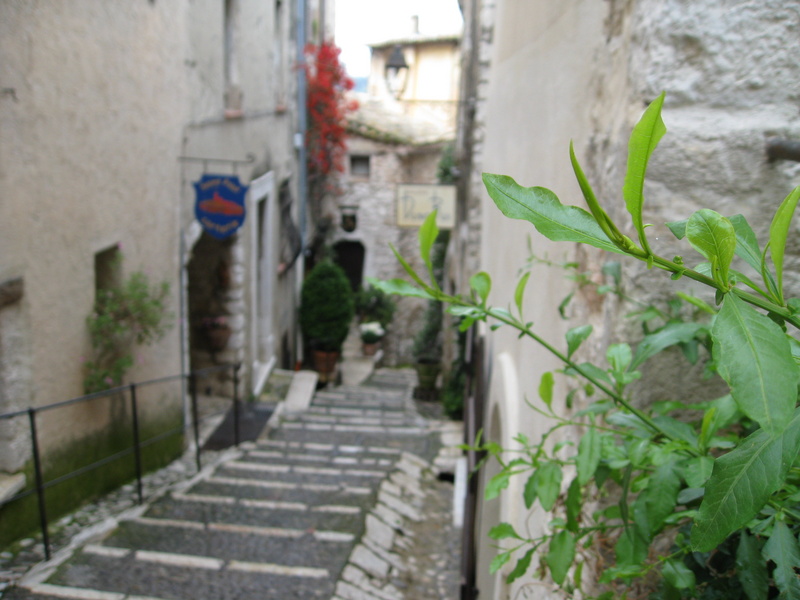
[{"x": 315, "y": 508}]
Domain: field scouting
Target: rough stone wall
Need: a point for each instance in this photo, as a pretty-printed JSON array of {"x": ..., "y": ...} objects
[
  {"x": 730, "y": 80},
  {"x": 390, "y": 164},
  {"x": 586, "y": 73}
]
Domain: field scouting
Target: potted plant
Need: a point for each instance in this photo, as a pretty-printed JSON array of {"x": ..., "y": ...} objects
[
  {"x": 326, "y": 311},
  {"x": 373, "y": 304},
  {"x": 427, "y": 348},
  {"x": 371, "y": 335},
  {"x": 427, "y": 351}
]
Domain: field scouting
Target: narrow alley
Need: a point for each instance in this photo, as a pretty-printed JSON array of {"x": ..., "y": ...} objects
[{"x": 334, "y": 500}]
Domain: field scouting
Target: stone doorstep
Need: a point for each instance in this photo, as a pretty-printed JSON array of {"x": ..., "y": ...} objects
[{"x": 10, "y": 485}]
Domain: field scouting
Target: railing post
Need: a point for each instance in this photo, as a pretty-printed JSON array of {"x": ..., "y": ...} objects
[
  {"x": 236, "y": 403},
  {"x": 37, "y": 465},
  {"x": 137, "y": 449},
  {"x": 195, "y": 418}
]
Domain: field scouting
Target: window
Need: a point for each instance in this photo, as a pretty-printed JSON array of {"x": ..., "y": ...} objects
[
  {"x": 290, "y": 242},
  {"x": 359, "y": 166},
  {"x": 233, "y": 91},
  {"x": 107, "y": 269}
]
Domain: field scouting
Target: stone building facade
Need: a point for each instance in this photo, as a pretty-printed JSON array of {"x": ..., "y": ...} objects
[
  {"x": 111, "y": 111},
  {"x": 539, "y": 74},
  {"x": 395, "y": 141}
]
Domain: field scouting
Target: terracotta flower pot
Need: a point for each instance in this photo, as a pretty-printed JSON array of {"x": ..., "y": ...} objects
[
  {"x": 370, "y": 348},
  {"x": 325, "y": 364}
]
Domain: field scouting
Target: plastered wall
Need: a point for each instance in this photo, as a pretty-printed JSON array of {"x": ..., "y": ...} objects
[{"x": 584, "y": 71}]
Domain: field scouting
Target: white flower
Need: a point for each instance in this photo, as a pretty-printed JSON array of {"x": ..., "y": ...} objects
[{"x": 373, "y": 327}]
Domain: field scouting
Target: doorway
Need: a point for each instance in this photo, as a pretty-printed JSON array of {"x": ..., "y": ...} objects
[{"x": 350, "y": 256}]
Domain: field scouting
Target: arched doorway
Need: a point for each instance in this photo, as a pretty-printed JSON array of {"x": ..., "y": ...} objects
[
  {"x": 350, "y": 256},
  {"x": 209, "y": 318}
]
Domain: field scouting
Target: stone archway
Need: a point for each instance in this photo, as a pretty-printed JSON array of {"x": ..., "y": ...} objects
[{"x": 210, "y": 316}]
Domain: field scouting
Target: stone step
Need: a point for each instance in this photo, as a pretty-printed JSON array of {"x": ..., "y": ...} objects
[
  {"x": 328, "y": 448},
  {"x": 232, "y": 543},
  {"x": 315, "y": 415},
  {"x": 188, "y": 576},
  {"x": 302, "y": 473},
  {"x": 258, "y": 513},
  {"x": 420, "y": 442},
  {"x": 333, "y": 459},
  {"x": 311, "y": 495}
]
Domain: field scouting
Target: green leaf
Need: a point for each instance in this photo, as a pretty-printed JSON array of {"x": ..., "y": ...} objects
[
  {"x": 782, "y": 549},
  {"x": 542, "y": 208},
  {"x": 593, "y": 371},
  {"x": 562, "y": 307},
  {"x": 518, "y": 293},
  {"x": 503, "y": 531},
  {"x": 754, "y": 358},
  {"x": 669, "y": 335},
  {"x": 576, "y": 336},
  {"x": 746, "y": 242},
  {"x": 600, "y": 215},
  {"x": 496, "y": 484},
  {"x": 499, "y": 560},
  {"x": 698, "y": 470},
  {"x": 750, "y": 568},
  {"x": 560, "y": 555},
  {"x": 428, "y": 233},
  {"x": 521, "y": 567},
  {"x": 546, "y": 388},
  {"x": 678, "y": 575},
  {"x": 741, "y": 483},
  {"x": 482, "y": 284},
  {"x": 778, "y": 232},
  {"x": 713, "y": 236},
  {"x": 678, "y": 228},
  {"x": 548, "y": 484},
  {"x": 573, "y": 505},
  {"x": 644, "y": 139},
  {"x": 400, "y": 287},
  {"x": 658, "y": 501},
  {"x": 619, "y": 357},
  {"x": 589, "y": 454},
  {"x": 631, "y": 547},
  {"x": 529, "y": 494}
]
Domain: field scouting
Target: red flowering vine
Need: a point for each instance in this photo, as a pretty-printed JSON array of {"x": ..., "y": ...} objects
[{"x": 327, "y": 109}]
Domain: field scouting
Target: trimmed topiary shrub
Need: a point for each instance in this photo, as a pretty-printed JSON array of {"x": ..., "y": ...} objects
[{"x": 326, "y": 307}]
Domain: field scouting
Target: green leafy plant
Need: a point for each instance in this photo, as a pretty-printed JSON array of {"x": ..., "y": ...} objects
[
  {"x": 373, "y": 304},
  {"x": 427, "y": 346},
  {"x": 326, "y": 307},
  {"x": 123, "y": 317},
  {"x": 716, "y": 478}
]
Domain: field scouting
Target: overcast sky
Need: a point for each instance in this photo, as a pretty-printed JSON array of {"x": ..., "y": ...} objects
[{"x": 360, "y": 22}]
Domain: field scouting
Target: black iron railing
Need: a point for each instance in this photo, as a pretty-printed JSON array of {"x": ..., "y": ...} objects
[{"x": 40, "y": 485}]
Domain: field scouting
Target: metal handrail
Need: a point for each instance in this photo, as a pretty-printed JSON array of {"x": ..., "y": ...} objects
[{"x": 31, "y": 412}]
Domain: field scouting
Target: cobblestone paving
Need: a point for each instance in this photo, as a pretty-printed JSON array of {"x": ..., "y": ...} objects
[{"x": 341, "y": 502}]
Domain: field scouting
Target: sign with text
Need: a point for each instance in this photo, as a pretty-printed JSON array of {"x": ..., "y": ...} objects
[
  {"x": 415, "y": 202},
  {"x": 220, "y": 204}
]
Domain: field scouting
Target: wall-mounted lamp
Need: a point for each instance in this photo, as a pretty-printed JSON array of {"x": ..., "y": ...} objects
[
  {"x": 396, "y": 72},
  {"x": 349, "y": 217}
]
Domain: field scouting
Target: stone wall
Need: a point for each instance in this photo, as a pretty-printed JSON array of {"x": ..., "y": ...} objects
[
  {"x": 546, "y": 73},
  {"x": 375, "y": 197}
]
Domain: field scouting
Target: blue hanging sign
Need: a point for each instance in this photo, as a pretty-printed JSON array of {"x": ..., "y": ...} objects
[{"x": 220, "y": 204}]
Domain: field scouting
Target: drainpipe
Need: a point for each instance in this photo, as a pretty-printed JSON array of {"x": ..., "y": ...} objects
[
  {"x": 300, "y": 136},
  {"x": 302, "y": 168}
]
